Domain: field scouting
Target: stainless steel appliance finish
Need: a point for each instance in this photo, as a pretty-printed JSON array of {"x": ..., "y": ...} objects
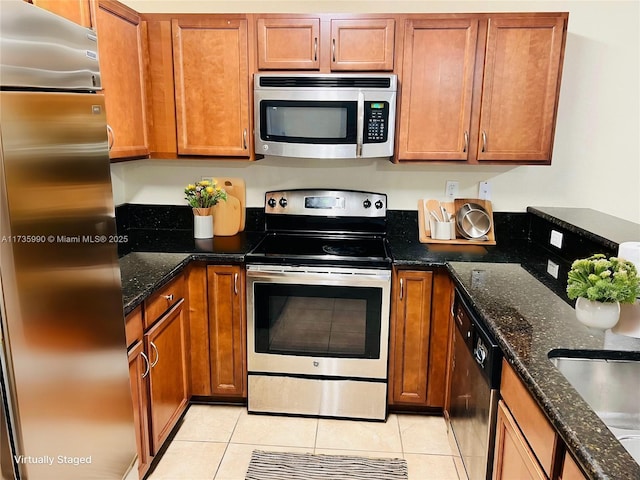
[
  {"x": 64, "y": 358},
  {"x": 325, "y": 115},
  {"x": 475, "y": 384},
  {"x": 318, "y": 301}
]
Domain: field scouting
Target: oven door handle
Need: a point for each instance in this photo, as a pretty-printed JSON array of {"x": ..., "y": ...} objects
[
  {"x": 360, "y": 125},
  {"x": 378, "y": 279}
]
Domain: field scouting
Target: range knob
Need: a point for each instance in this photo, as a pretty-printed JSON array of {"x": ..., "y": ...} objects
[
  {"x": 271, "y": 202},
  {"x": 379, "y": 204},
  {"x": 283, "y": 202},
  {"x": 366, "y": 203}
]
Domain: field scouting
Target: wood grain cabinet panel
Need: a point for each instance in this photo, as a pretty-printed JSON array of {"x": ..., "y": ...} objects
[
  {"x": 227, "y": 330},
  {"x": 570, "y": 469},
  {"x": 362, "y": 44},
  {"x": 138, "y": 372},
  {"x": 513, "y": 457},
  {"x": 522, "y": 72},
  {"x": 288, "y": 43},
  {"x": 121, "y": 46},
  {"x": 437, "y": 87},
  {"x": 78, "y": 11},
  {"x": 211, "y": 74},
  {"x": 166, "y": 345}
]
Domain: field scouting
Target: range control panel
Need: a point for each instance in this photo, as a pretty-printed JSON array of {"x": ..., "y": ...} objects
[
  {"x": 376, "y": 116},
  {"x": 334, "y": 203}
]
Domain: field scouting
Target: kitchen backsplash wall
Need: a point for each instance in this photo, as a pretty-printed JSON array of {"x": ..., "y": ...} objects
[{"x": 596, "y": 151}]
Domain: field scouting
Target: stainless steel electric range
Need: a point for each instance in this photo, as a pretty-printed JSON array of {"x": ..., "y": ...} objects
[{"x": 318, "y": 294}]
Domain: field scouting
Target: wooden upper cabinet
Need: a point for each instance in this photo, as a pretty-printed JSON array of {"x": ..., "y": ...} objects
[
  {"x": 211, "y": 73},
  {"x": 437, "y": 88},
  {"x": 325, "y": 44},
  {"x": 78, "y": 11},
  {"x": 365, "y": 44},
  {"x": 522, "y": 71},
  {"x": 121, "y": 44},
  {"x": 288, "y": 43}
]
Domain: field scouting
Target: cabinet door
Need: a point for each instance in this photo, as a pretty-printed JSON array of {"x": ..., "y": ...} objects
[
  {"x": 362, "y": 44},
  {"x": 520, "y": 89},
  {"x": 437, "y": 85},
  {"x": 513, "y": 458},
  {"x": 570, "y": 469},
  {"x": 227, "y": 330},
  {"x": 166, "y": 345},
  {"x": 288, "y": 43},
  {"x": 410, "y": 334},
  {"x": 138, "y": 372},
  {"x": 120, "y": 45},
  {"x": 78, "y": 11},
  {"x": 211, "y": 73}
]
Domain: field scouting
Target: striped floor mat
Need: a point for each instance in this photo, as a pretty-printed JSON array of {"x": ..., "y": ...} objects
[{"x": 305, "y": 466}]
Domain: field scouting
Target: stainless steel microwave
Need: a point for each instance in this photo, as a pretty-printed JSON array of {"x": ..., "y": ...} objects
[{"x": 325, "y": 115}]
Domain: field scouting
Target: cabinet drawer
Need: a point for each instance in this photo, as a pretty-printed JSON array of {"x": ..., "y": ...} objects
[
  {"x": 133, "y": 326},
  {"x": 532, "y": 422},
  {"x": 162, "y": 300}
]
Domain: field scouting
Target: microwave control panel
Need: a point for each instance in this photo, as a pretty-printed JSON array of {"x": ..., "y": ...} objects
[{"x": 376, "y": 116}]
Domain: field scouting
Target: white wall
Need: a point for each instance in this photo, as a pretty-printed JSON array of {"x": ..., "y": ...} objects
[{"x": 596, "y": 159}]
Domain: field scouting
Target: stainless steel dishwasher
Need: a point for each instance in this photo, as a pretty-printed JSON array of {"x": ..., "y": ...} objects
[{"x": 475, "y": 383}]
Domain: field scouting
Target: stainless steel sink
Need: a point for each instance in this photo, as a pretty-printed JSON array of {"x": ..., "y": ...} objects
[{"x": 610, "y": 387}]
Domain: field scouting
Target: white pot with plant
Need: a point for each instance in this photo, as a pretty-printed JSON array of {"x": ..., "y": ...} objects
[
  {"x": 202, "y": 197},
  {"x": 600, "y": 284}
]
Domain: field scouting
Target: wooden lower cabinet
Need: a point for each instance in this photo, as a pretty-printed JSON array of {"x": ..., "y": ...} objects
[
  {"x": 570, "y": 469},
  {"x": 513, "y": 457},
  {"x": 420, "y": 318},
  {"x": 138, "y": 372},
  {"x": 166, "y": 347},
  {"x": 227, "y": 331}
]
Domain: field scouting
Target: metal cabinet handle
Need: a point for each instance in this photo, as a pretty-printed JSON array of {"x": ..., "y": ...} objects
[
  {"x": 112, "y": 137},
  {"x": 484, "y": 141},
  {"x": 244, "y": 138},
  {"x": 315, "y": 49},
  {"x": 401, "y": 288},
  {"x": 466, "y": 141},
  {"x": 169, "y": 297},
  {"x": 153, "y": 345},
  {"x": 333, "y": 49},
  {"x": 235, "y": 283},
  {"x": 146, "y": 361}
]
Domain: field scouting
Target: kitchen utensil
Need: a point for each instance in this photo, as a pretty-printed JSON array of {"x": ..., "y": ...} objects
[
  {"x": 445, "y": 214},
  {"x": 473, "y": 221},
  {"x": 226, "y": 217},
  {"x": 434, "y": 206}
]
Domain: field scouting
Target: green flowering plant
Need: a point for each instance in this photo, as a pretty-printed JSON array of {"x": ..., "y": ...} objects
[
  {"x": 204, "y": 194},
  {"x": 604, "y": 280}
]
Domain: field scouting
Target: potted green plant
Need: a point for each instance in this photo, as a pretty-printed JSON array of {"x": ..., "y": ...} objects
[
  {"x": 600, "y": 284},
  {"x": 202, "y": 196}
]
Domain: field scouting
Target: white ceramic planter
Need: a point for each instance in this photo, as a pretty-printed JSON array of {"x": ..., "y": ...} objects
[
  {"x": 203, "y": 226},
  {"x": 598, "y": 315}
]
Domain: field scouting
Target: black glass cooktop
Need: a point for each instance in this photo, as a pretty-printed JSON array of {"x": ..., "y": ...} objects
[{"x": 338, "y": 250}]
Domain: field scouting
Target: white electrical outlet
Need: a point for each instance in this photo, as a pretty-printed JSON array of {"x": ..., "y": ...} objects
[
  {"x": 553, "y": 268},
  {"x": 484, "y": 191},
  {"x": 556, "y": 239},
  {"x": 451, "y": 190}
]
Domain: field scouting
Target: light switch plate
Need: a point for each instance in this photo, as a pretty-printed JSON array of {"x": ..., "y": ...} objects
[
  {"x": 556, "y": 239},
  {"x": 484, "y": 191}
]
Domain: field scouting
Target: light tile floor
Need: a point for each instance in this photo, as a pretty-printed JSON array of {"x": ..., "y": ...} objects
[{"x": 215, "y": 442}]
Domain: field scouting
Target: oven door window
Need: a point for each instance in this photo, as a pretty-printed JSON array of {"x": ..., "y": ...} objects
[
  {"x": 322, "y": 122},
  {"x": 311, "y": 320}
]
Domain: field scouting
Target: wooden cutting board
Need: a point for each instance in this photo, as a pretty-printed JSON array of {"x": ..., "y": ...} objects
[
  {"x": 226, "y": 217},
  {"x": 236, "y": 187}
]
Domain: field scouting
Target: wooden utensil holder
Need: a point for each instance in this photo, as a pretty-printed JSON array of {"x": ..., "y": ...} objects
[{"x": 424, "y": 227}]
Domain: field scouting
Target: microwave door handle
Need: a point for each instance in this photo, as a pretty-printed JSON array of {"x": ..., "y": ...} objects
[{"x": 360, "y": 125}]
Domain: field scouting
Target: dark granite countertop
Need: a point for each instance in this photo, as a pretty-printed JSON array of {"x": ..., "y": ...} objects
[{"x": 529, "y": 321}]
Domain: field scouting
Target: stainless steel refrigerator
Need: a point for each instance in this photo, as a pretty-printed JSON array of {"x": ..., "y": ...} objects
[{"x": 67, "y": 409}]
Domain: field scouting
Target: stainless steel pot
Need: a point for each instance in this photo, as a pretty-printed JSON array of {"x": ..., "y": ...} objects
[{"x": 473, "y": 221}]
